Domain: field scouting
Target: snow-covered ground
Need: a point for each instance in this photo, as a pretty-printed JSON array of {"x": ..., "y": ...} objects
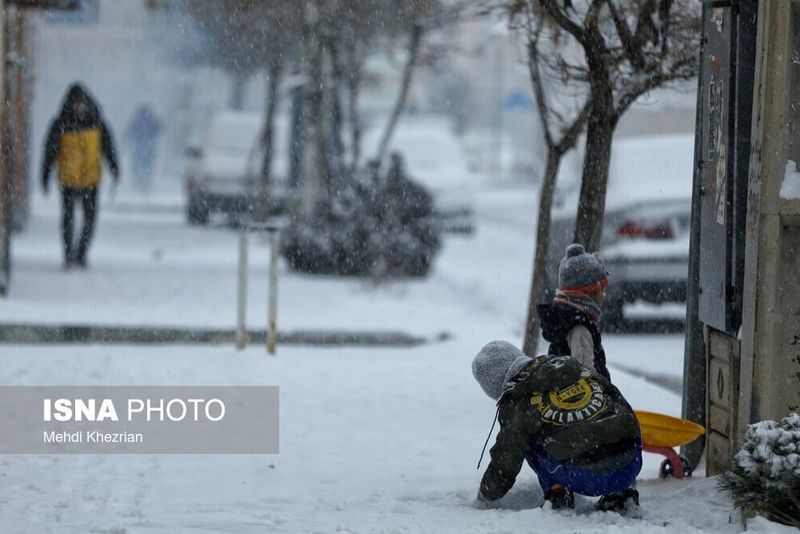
[{"x": 372, "y": 440}]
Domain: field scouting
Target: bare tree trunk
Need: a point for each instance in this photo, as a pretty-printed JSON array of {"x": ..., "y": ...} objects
[
  {"x": 408, "y": 73},
  {"x": 599, "y": 134},
  {"x": 353, "y": 115},
  {"x": 275, "y": 73},
  {"x": 592, "y": 201},
  {"x": 336, "y": 153},
  {"x": 531, "y": 341},
  {"x": 555, "y": 151},
  {"x": 324, "y": 130},
  {"x": 314, "y": 138}
]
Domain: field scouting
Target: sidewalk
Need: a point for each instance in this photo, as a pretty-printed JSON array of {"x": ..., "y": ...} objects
[
  {"x": 152, "y": 274},
  {"x": 152, "y": 271},
  {"x": 24, "y": 334}
]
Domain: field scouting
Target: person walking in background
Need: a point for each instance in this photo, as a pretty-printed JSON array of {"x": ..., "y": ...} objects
[
  {"x": 142, "y": 134},
  {"x": 403, "y": 200},
  {"x": 77, "y": 139}
]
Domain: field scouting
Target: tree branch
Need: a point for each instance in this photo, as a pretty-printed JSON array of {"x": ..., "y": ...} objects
[
  {"x": 538, "y": 90},
  {"x": 593, "y": 14},
  {"x": 658, "y": 79},
  {"x": 563, "y": 20},
  {"x": 570, "y": 135},
  {"x": 631, "y": 45},
  {"x": 664, "y": 15},
  {"x": 414, "y": 43}
]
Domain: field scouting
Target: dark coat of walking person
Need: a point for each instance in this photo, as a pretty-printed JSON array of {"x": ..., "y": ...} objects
[
  {"x": 77, "y": 140},
  {"x": 403, "y": 200}
]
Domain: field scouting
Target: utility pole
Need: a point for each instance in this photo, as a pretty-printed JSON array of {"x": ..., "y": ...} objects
[{"x": 720, "y": 203}]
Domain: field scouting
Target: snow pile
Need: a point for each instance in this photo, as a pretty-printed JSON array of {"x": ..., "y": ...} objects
[
  {"x": 765, "y": 474},
  {"x": 790, "y": 188}
]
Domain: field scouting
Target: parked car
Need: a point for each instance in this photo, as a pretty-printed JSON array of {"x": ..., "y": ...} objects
[
  {"x": 434, "y": 157},
  {"x": 222, "y": 174},
  {"x": 645, "y": 240}
]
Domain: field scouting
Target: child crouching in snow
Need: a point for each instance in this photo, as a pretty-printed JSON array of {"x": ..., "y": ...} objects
[
  {"x": 572, "y": 426},
  {"x": 571, "y": 322}
]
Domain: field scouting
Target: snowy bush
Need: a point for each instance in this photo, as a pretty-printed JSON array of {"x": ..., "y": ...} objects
[
  {"x": 360, "y": 232},
  {"x": 764, "y": 477}
]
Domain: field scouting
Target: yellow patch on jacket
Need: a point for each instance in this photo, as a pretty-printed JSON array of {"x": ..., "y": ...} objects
[{"x": 79, "y": 158}]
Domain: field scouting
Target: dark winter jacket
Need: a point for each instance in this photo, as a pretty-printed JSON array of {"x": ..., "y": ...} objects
[
  {"x": 558, "y": 406},
  {"x": 403, "y": 201},
  {"x": 76, "y": 142},
  {"x": 557, "y": 320}
]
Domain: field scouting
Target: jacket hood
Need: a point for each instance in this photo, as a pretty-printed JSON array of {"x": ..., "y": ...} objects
[
  {"x": 496, "y": 365},
  {"x": 76, "y": 93}
]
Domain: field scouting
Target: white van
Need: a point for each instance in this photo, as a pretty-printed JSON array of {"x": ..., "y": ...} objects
[{"x": 223, "y": 174}]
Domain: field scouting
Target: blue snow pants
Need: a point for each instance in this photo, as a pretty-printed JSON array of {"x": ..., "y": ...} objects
[{"x": 582, "y": 481}]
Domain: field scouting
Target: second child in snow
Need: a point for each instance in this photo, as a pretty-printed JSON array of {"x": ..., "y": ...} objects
[
  {"x": 571, "y": 322},
  {"x": 571, "y": 425}
]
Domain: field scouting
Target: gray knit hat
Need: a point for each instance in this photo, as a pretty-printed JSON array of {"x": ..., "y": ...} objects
[
  {"x": 495, "y": 365},
  {"x": 580, "y": 271}
]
